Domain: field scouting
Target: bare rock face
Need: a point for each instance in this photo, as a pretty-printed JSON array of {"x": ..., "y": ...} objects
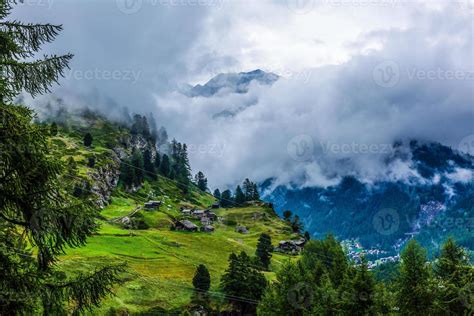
[{"x": 105, "y": 179}]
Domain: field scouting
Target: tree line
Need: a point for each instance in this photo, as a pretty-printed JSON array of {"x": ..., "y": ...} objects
[
  {"x": 245, "y": 193},
  {"x": 324, "y": 282}
]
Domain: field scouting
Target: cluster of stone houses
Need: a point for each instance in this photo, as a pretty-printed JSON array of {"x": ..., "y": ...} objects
[
  {"x": 291, "y": 246},
  {"x": 206, "y": 217}
]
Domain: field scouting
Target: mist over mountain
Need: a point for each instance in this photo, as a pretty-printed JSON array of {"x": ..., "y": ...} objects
[
  {"x": 230, "y": 83},
  {"x": 437, "y": 203}
]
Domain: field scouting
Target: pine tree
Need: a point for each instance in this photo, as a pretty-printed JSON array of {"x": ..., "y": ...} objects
[
  {"x": 138, "y": 168},
  {"x": 91, "y": 162},
  {"x": 53, "y": 129},
  {"x": 201, "y": 181},
  {"x": 226, "y": 199},
  {"x": 157, "y": 161},
  {"x": 148, "y": 165},
  {"x": 202, "y": 279},
  {"x": 287, "y": 215},
  {"x": 88, "y": 139},
  {"x": 296, "y": 224},
  {"x": 217, "y": 194},
  {"x": 127, "y": 173},
  {"x": 290, "y": 294},
  {"x": 255, "y": 194},
  {"x": 452, "y": 269},
  {"x": 39, "y": 216},
  {"x": 242, "y": 284},
  {"x": 413, "y": 284},
  {"x": 264, "y": 250},
  {"x": 165, "y": 166},
  {"x": 358, "y": 292},
  {"x": 247, "y": 188},
  {"x": 239, "y": 196}
]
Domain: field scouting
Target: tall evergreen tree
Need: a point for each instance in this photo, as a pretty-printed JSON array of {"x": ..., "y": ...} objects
[
  {"x": 148, "y": 165},
  {"x": 137, "y": 163},
  {"x": 53, "y": 129},
  {"x": 202, "y": 279},
  {"x": 157, "y": 161},
  {"x": 255, "y": 194},
  {"x": 296, "y": 224},
  {"x": 217, "y": 194},
  {"x": 239, "y": 196},
  {"x": 264, "y": 250},
  {"x": 247, "y": 188},
  {"x": 242, "y": 284},
  {"x": 414, "y": 292},
  {"x": 201, "y": 181},
  {"x": 39, "y": 216},
  {"x": 226, "y": 199},
  {"x": 287, "y": 215},
  {"x": 88, "y": 139},
  {"x": 358, "y": 292},
  {"x": 165, "y": 166},
  {"x": 454, "y": 272}
]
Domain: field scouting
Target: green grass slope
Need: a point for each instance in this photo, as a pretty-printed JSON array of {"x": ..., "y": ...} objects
[{"x": 161, "y": 262}]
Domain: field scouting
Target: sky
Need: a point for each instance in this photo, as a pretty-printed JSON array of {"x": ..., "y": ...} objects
[{"x": 355, "y": 76}]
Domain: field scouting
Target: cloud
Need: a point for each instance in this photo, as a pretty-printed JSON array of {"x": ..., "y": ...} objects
[
  {"x": 356, "y": 76},
  {"x": 344, "y": 118}
]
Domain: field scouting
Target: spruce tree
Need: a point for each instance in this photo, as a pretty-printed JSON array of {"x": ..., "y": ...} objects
[
  {"x": 287, "y": 215},
  {"x": 202, "y": 279},
  {"x": 264, "y": 250},
  {"x": 201, "y": 181},
  {"x": 217, "y": 194},
  {"x": 413, "y": 283},
  {"x": 88, "y": 139},
  {"x": 239, "y": 196},
  {"x": 453, "y": 270},
  {"x": 226, "y": 199},
  {"x": 53, "y": 129},
  {"x": 157, "y": 162},
  {"x": 39, "y": 216},
  {"x": 138, "y": 168},
  {"x": 255, "y": 194},
  {"x": 148, "y": 165},
  {"x": 165, "y": 166},
  {"x": 242, "y": 284},
  {"x": 247, "y": 188}
]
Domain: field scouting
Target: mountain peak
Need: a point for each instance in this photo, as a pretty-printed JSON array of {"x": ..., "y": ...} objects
[{"x": 231, "y": 82}]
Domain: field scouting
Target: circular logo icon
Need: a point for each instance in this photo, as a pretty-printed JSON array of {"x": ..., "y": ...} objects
[
  {"x": 300, "y": 296},
  {"x": 466, "y": 296},
  {"x": 129, "y": 6},
  {"x": 386, "y": 74},
  {"x": 386, "y": 221},
  {"x": 467, "y": 145},
  {"x": 301, "y": 148},
  {"x": 300, "y": 6}
]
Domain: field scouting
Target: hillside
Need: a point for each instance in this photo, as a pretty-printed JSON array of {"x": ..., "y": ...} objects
[
  {"x": 431, "y": 206},
  {"x": 161, "y": 261}
]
